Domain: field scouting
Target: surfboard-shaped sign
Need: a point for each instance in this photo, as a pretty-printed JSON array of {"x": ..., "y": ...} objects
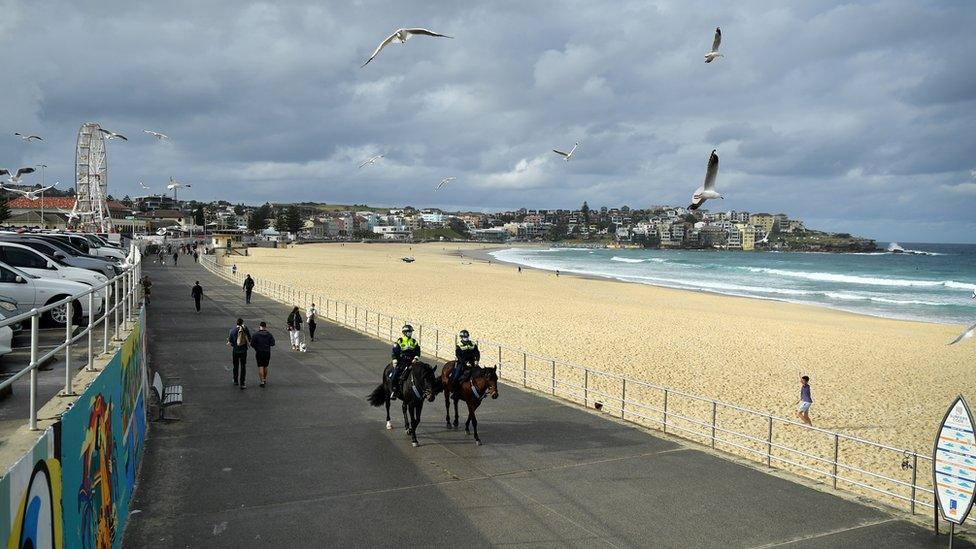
[{"x": 954, "y": 463}]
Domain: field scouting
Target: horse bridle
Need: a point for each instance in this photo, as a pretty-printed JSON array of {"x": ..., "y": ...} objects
[{"x": 413, "y": 385}]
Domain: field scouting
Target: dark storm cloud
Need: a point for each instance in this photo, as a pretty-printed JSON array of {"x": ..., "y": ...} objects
[{"x": 853, "y": 113}]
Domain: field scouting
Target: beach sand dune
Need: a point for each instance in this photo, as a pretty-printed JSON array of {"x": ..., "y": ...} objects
[{"x": 885, "y": 380}]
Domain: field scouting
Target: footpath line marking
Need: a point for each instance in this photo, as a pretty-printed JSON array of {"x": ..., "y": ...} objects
[{"x": 826, "y": 534}]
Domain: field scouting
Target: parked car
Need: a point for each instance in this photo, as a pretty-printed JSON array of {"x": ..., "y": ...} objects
[
  {"x": 31, "y": 261},
  {"x": 6, "y": 338},
  {"x": 32, "y": 292},
  {"x": 65, "y": 254}
]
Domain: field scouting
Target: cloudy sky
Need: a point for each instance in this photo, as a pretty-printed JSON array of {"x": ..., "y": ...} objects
[{"x": 855, "y": 116}]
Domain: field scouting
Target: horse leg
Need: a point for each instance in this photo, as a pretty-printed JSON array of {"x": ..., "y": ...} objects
[
  {"x": 406, "y": 422},
  {"x": 456, "y": 412},
  {"x": 474, "y": 423},
  {"x": 467, "y": 423},
  {"x": 389, "y": 424},
  {"x": 447, "y": 407},
  {"x": 414, "y": 421}
]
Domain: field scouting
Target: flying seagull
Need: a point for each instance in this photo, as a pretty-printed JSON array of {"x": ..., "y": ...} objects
[
  {"x": 964, "y": 335},
  {"x": 113, "y": 135},
  {"x": 28, "y": 137},
  {"x": 74, "y": 213},
  {"x": 15, "y": 179},
  {"x": 34, "y": 194},
  {"x": 144, "y": 186},
  {"x": 707, "y": 190},
  {"x": 710, "y": 56},
  {"x": 174, "y": 184},
  {"x": 569, "y": 154},
  {"x": 157, "y": 135},
  {"x": 371, "y": 160},
  {"x": 445, "y": 182},
  {"x": 402, "y": 35}
]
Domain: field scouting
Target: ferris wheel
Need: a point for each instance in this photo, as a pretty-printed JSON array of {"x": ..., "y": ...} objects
[{"x": 91, "y": 179}]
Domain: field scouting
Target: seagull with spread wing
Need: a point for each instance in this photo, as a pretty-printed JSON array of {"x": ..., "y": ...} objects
[
  {"x": 445, "y": 182},
  {"x": 15, "y": 179},
  {"x": 144, "y": 186},
  {"x": 569, "y": 154},
  {"x": 370, "y": 161},
  {"x": 74, "y": 213},
  {"x": 707, "y": 190},
  {"x": 967, "y": 334},
  {"x": 401, "y": 36},
  {"x": 712, "y": 55},
  {"x": 112, "y": 135},
  {"x": 157, "y": 135},
  {"x": 34, "y": 194},
  {"x": 28, "y": 137}
]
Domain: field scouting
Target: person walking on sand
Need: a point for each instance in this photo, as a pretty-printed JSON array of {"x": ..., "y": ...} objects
[
  {"x": 197, "y": 294},
  {"x": 295, "y": 328},
  {"x": 312, "y": 313},
  {"x": 239, "y": 339},
  {"x": 803, "y": 411},
  {"x": 262, "y": 342},
  {"x": 248, "y": 288}
]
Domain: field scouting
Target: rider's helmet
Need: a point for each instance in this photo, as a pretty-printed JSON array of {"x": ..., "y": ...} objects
[
  {"x": 464, "y": 335},
  {"x": 407, "y": 330}
]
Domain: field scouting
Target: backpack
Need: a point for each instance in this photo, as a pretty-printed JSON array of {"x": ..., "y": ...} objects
[{"x": 242, "y": 339}]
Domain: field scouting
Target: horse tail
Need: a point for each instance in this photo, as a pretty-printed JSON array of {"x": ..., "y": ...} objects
[{"x": 378, "y": 396}]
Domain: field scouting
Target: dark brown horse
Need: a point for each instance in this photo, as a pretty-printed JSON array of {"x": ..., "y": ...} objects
[
  {"x": 420, "y": 384},
  {"x": 482, "y": 383}
]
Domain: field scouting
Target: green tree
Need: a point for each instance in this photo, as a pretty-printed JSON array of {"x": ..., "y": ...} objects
[
  {"x": 259, "y": 218},
  {"x": 559, "y": 231},
  {"x": 585, "y": 210},
  {"x": 293, "y": 220},
  {"x": 198, "y": 216},
  {"x": 459, "y": 227},
  {"x": 4, "y": 211},
  {"x": 239, "y": 210},
  {"x": 281, "y": 220}
]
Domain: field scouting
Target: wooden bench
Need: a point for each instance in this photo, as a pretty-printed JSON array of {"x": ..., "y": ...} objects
[{"x": 166, "y": 396}]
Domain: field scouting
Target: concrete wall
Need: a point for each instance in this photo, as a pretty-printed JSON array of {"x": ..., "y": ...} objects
[{"x": 72, "y": 489}]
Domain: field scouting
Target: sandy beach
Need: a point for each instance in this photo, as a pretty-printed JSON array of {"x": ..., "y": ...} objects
[{"x": 884, "y": 380}]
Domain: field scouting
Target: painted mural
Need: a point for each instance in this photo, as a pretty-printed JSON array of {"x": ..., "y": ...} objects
[{"x": 73, "y": 488}]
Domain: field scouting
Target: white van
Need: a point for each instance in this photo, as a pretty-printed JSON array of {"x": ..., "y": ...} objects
[
  {"x": 34, "y": 262},
  {"x": 32, "y": 291}
]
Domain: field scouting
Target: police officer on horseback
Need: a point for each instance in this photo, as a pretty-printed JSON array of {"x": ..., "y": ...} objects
[
  {"x": 406, "y": 349},
  {"x": 467, "y": 354}
]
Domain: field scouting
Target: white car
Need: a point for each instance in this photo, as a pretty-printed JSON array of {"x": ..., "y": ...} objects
[
  {"x": 34, "y": 262},
  {"x": 32, "y": 292},
  {"x": 9, "y": 307}
]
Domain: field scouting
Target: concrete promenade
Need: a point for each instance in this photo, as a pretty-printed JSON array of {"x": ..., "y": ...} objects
[{"x": 306, "y": 462}]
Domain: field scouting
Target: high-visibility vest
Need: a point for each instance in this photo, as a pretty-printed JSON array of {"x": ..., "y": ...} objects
[
  {"x": 471, "y": 345},
  {"x": 407, "y": 343}
]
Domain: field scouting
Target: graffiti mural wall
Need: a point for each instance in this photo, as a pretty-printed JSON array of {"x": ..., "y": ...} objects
[{"x": 73, "y": 488}]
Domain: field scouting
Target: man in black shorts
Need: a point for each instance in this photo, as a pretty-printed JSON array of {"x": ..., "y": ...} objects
[{"x": 262, "y": 342}]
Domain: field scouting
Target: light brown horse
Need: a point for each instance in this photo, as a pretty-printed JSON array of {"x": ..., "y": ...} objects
[{"x": 483, "y": 382}]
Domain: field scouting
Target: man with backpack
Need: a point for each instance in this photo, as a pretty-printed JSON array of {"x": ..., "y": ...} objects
[{"x": 239, "y": 339}]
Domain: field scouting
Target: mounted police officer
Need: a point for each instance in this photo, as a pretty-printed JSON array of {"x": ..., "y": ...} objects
[
  {"x": 405, "y": 351},
  {"x": 467, "y": 354}
]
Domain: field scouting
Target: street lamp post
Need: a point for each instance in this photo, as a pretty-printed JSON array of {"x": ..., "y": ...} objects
[{"x": 42, "y": 166}]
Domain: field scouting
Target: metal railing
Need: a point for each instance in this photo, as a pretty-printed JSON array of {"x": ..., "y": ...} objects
[
  {"x": 896, "y": 476},
  {"x": 118, "y": 306}
]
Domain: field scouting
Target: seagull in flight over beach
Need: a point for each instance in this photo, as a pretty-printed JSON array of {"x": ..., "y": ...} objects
[
  {"x": 444, "y": 182},
  {"x": 371, "y": 160},
  {"x": 34, "y": 194},
  {"x": 144, "y": 186},
  {"x": 968, "y": 333},
  {"x": 569, "y": 154},
  {"x": 707, "y": 190},
  {"x": 28, "y": 137},
  {"x": 113, "y": 135},
  {"x": 74, "y": 213},
  {"x": 15, "y": 179},
  {"x": 174, "y": 184},
  {"x": 712, "y": 55},
  {"x": 401, "y": 36},
  {"x": 157, "y": 135}
]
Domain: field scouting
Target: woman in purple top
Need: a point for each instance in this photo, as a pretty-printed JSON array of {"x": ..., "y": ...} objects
[{"x": 803, "y": 412}]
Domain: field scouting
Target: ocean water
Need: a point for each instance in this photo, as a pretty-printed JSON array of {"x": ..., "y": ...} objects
[{"x": 933, "y": 284}]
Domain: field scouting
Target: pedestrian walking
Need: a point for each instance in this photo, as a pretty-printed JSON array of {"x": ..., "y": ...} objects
[
  {"x": 196, "y": 256},
  {"x": 233, "y": 269},
  {"x": 248, "y": 288},
  {"x": 176, "y": 256},
  {"x": 197, "y": 294},
  {"x": 295, "y": 328},
  {"x": 803, "y": 411},
  {"x": 520, "y": 269},
  {"x": 262, "y": 342},
  {"x": 239, "y": 339},
  {"x": 312, "y": 313},
  {"x": 146, "y": 287}
]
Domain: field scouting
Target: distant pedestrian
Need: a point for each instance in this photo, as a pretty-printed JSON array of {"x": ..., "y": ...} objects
[
  {"x": 803, "y": 412},
  {"x": 197, "y": 294},
  {"x": 239, "y": 339},
  {"x": 146, "y": 287},
  {"x": 248, "y": 288},
  {"x": 520, "y": 269},
  {"x": 196, "y": 257},
  {"x": 176, "y": 256},
  {"x": 262, "y": 342},
  {"x": 295, "y": 328},
  {"x": 557, "y": 273},
  {"x": 312, "y": 313},
  {"x": 233, "y": 269}
]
